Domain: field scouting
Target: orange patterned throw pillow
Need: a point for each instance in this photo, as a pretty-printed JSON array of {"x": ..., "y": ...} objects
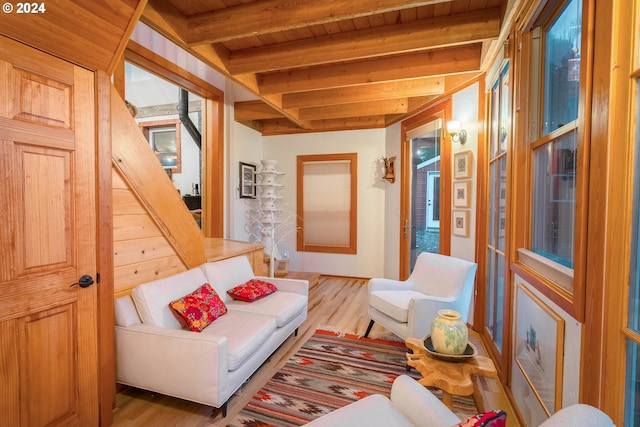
[
  {"x": 200, "y": 307},
  {"x": 253, "y": 290}
]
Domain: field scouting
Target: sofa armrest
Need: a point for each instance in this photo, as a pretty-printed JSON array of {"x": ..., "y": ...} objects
[
  {"x": 419, "y": 405},
  {"x": 297, "y": 286},
  {"x": 179, "y": 363},
  {"x": 381, "y": 284}
]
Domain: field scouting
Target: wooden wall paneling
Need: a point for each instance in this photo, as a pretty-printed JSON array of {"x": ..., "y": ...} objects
[
  {"x": 128, "y": 276},
  {"x": 126, "y": 203},
  {"x": 138, "y": 166},
  {"x": 133, "y": 251},
  {"x": 128, "y": 227}
]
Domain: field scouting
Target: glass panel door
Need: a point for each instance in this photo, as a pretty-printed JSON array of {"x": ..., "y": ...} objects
[
  {"x": 496, "y": 300},
  {"x": 425, "y": 190}
]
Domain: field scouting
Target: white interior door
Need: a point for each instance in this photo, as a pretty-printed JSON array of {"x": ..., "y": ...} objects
[{"x": 433, "y": 200}]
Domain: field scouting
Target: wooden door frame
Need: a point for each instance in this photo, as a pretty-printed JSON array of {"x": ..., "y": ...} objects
[{"x": 442, "y": 111}]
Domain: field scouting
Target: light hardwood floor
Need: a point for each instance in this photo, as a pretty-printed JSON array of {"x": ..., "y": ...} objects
[{"x": 337, "y": 303}]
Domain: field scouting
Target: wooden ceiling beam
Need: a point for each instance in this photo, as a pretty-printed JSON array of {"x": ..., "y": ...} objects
[
  {"x": 165, "y": 19},
  {"x": 282, "y": 126},
  {"x": 213, "y": 55},
  {"x": 356, "y": 109},
  {"x": 365, "y": 93},
  {"x": 270, "y": 16},
  {"x": 464, "y": 28},
  {"x": 452, "y": 60},
  {"x": 255, "y": 110}
]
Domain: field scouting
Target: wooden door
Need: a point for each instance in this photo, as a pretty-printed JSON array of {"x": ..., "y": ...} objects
[{"x": 48, "y": 338}]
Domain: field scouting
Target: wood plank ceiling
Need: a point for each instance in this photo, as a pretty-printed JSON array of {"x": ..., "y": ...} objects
[{"x": 320, "y": 65}]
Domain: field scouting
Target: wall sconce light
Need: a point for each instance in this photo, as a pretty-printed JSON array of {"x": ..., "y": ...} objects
[
  {"x": 457, "y": 134},
  {"x": 389, "y": 169}
]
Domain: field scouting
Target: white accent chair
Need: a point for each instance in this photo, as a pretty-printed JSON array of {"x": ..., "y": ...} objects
[
  {"x": 407, "y": 308},
  {"x": 413, "y": 405}
]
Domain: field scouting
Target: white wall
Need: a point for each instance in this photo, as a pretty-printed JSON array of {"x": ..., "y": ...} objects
[
  {"x": 370, "y": 146},
  {"x": 465, "y": 110},
  {"x": 247, "y": 147},
  {"x": 392, "y": 206}
]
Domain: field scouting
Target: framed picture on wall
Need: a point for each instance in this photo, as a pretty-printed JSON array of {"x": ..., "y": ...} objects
[
  {"x": 539, "y": 348},
  {"x": 462, "y": 164},
  {"x": 461, "y": 194},
  {"x": 460, "y": 223},
  {"x": 247, "y": 181}
]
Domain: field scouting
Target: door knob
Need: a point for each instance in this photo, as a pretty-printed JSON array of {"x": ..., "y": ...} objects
[{"x": 84, "y": 282}]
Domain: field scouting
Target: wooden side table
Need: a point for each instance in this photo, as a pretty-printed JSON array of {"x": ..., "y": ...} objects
[{"x": 450, "y": 377}]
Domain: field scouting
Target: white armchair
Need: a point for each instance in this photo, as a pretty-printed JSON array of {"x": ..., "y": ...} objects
[{"x": 408, "y": 307}]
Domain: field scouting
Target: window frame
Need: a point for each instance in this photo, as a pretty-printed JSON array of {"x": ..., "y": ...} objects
[
  {"x": 547, "y": 276},
  {"x": 148, "y": 128},
  {"x": 502, "y": 105},
  {"x": 352, "y": 247}
]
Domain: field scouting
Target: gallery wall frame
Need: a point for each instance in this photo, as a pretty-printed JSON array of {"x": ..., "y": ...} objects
[
  {"x": 462, "y": 164},
  {"x": 462, "y": 194},
  {"x": 460, "y": 223},
  {"x": 247, "y": 181},
  {"x": 539, "y": 348}
]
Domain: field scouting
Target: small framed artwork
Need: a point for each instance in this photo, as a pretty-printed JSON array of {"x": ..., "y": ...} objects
[
  {"x": 460, "y": 222},
  {"x": 539, "y": 348},
  {"x": 462, "y": 164},
  {"x": 281, "y": 267},
  {"x": 461, "y": 194},
  {"x": 247, "y": 181}
]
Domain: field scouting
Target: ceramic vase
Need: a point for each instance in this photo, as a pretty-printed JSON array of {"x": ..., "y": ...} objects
[{"x": 449, "y": 334}]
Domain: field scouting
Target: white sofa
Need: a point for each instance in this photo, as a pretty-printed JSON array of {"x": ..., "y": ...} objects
[
  {"x": 412, "y": 405},
  {"x": 155, "y": 353}
]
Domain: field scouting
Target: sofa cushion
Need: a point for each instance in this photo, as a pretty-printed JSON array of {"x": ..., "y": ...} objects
[
  {"x": 284, "y": 306},
  {"x": 227, "y": 273},
  {"x": 152, "y": 298},
  {"x": 252, "y": 290},
  {"x": 199, "y": 308},
  {"x": 125, "y": 312},
  {"x": 245, "y": 333},
  {"x": 393, "y": 303},
  {"x": 495, "y": 418}
]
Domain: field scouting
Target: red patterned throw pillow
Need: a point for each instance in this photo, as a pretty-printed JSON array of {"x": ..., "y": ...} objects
[
  {"x": 253, "y": 290},
  {"x": 200, "y": 307},
  {"x": 495, "y": 418}
]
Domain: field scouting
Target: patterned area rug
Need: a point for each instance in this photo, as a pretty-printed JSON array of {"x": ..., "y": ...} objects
[{"x": 329, "y": 372}]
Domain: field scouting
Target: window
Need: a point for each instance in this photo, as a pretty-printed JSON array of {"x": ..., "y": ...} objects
[
  {"x": 164, "y": 143},
  {"x": 554, "y": 151},
  {"x": 555, "y": 129},
  {"x": 632, "y": 386},
  {"x": 164, "y": 138},
  {"x": 326, "y": 203}
]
